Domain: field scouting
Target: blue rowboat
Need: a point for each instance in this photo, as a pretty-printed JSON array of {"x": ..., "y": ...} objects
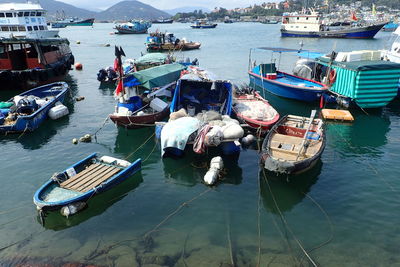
[
  {"x": 32, "y": 107},
  {"x": 84, "y": 179},
  {"x": 266, "y": 77}
]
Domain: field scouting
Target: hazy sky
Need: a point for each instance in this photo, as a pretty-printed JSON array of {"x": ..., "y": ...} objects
[{"x": 166, "y": 4}]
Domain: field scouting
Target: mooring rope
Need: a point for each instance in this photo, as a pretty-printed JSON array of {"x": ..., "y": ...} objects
[
  {"x": 286, "y": 224},
  {"x": 145, "y": 142}
]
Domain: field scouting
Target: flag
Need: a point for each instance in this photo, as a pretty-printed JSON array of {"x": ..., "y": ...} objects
[
  {"x": 120, "y": 87},
  {"x": 121, "y": 52},
  {"x": 353, "y": 16}
]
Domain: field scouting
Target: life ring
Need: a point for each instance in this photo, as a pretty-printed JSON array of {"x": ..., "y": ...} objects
[{"x": 332, "y": 76}]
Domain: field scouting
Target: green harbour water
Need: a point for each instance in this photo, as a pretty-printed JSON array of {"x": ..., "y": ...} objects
[{"x": 344, "y": 212}]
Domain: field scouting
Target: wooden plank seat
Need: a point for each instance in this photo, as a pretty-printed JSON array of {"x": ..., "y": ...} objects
[
  {"x": 287, "y": 147},
  {"x": 91, "y": 177}
]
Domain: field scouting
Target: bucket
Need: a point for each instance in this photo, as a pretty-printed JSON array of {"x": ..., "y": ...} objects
[{"x": 191, "y": 110}]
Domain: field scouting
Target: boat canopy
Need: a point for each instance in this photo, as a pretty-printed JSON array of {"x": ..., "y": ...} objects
[
  {"x": 151, "y": 58},
  {"x": 157, "y": 76},
  {"x": 362, "y": 65},
  {"x": 308, "y": 54}
]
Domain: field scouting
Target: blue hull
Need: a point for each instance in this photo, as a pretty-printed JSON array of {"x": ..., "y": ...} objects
[
  {"x": 113, "y": 181},
  {"x": 33, "y": 121},
  {"x": 352, "y": 33},
  {"x": 286, "y": 90}
]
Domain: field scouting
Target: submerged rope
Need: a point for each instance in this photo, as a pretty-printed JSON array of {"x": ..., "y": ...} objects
[
  {"x": 175, "y": 212},
  {"x": 287, "y": 225}
]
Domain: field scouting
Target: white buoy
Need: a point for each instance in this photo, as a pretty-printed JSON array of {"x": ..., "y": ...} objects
[
  {"x": 216, "y": 165},
  {"x": 72, "y": 209}
]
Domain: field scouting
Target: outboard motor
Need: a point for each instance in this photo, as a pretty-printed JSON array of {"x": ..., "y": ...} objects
[
  {"x": 102, "y": 75},
  {"x": 309, "y": 69},
  {"x": 111, "y": 74}
]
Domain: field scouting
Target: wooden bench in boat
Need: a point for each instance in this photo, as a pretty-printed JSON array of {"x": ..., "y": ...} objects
[
  {"x": 287, "y": 147},
  {"x": 90, "y": 177}
]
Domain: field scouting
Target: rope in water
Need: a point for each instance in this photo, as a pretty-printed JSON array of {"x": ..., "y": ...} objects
[
  {"x": 176, "y": 211},
  {"x": 286, "y": 224}
]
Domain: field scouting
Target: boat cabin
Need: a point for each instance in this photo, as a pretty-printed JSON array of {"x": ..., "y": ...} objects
[
  {"x": 21, "y": 54},
  {"x": 311, "y": 22}
]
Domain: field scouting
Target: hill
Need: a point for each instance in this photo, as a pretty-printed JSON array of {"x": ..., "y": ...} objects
[
  {"x": 53, "y": 7},
  {"x": 131, "y": 9},
  {"x": 186, "y": 9}
]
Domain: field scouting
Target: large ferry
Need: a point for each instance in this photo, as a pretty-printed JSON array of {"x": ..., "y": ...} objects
[
  {"x": 310, "y": 24},
  {"x": 30, "y": 54}
]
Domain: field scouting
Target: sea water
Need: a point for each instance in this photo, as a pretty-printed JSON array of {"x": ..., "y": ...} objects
[{"x": 342, "y": 212}]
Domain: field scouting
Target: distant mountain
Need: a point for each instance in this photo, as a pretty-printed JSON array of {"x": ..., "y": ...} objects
[
  {"x": 131, "y": 9},
  {"x": 53, "y": 7},
  {"x": 187, "y": 9},
  {"x": 124, "y": 10}
]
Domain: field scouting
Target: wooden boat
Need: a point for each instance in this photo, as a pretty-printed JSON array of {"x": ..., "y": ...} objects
[
  {"x": 139, "y": 120},
  {"x": 255, "y": 111},
  {"x": 293, "y": 145},
  {"x": 158, "y": 41},
  {"x": 32, "y": 108},
  {"x": 133, "y": 27},
  {"x": 162, "y": 21},
  {"x": 92, "y": 175},
  {"x": 147, "y": 108},
  {"x": 203, "y": 24},
  {"x": 267, "y": 77}
]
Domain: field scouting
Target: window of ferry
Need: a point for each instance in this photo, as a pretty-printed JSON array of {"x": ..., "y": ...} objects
[
  {"x": 20, "y": 14},
  {"x": 30, "y": 28},
  {"x": 21, "y": 28},
  {"x": 9, "y": 15},
  {"x": 38, "y": 14},
  {"x": 26, "y": 14},
  {"x": 3, "y": 53},
  {"x": 35, "y": 28},
  {"x": 33, "y": 14},
  {"x": 14, "y": 28},
  {"x": 2, "y": 15},
  {"x": 4, "y": 29},
  {"x": 41, "y": 28}
]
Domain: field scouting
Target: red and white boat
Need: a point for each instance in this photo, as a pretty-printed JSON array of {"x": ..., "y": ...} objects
[{"x": 255, "y": 111}]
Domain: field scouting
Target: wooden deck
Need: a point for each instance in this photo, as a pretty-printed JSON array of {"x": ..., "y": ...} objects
[{"x": 91, "y": 177}]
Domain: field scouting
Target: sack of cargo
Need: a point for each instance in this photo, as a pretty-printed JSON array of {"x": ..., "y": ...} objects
[{"x": 232, "y": 131}]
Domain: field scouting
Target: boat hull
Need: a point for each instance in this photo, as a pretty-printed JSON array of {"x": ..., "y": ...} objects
[
  {"x": 286, "y": 90},
  {"x": 125, "y": 31},
  {"x": 253, "y": 123},
  {"x": 33, "y": 121},
  {"x": 278, "y": 165},
  {"x": 113, "y": 181},
  {"x": 203, "y": 26},
  {"x": 135, "y": 122},
  {"x": 356, "y": 33}
]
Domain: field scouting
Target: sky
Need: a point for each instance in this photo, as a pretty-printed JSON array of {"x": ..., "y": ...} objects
[{"x": 167, "y": 4}]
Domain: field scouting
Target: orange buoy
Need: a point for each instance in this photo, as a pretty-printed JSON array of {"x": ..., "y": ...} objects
[{"x": 78, "y": 66}]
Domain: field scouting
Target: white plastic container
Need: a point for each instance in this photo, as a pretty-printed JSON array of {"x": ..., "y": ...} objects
[
  {"x": 158, "y": 105},
  {"x": 191, "y": 110},
  {"x": 58, "y": 111},
  {"x": 354, "y": 56}
]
